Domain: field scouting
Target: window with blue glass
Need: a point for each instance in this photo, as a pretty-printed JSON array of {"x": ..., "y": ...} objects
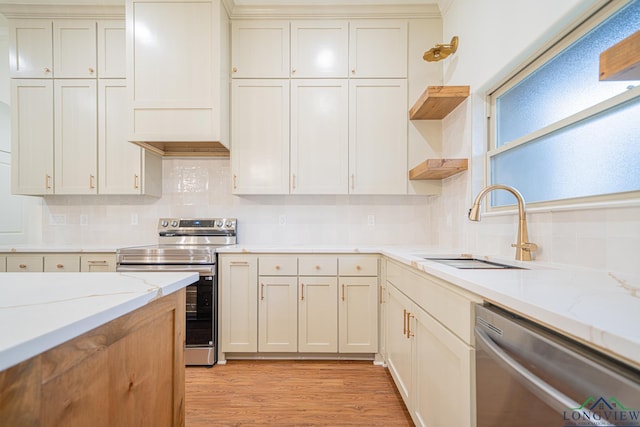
[{"x": 558, "y": 132}]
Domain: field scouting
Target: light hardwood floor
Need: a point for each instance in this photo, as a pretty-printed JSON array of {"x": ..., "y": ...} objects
[{"x": 293, "y": 393}]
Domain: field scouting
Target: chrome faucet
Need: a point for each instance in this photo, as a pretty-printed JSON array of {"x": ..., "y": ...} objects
[{"x": 523, "y": 247}]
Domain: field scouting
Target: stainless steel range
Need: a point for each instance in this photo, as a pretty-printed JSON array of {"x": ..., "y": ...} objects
[{"x": 188, "y": 244}]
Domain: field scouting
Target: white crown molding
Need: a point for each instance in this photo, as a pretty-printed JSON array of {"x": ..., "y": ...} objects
[
  {"x": 336, "y": 11},
  {"x": 61, "y": 11}
]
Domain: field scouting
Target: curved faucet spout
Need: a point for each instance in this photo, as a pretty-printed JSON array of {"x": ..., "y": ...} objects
[{"x": 523, "y": 246}]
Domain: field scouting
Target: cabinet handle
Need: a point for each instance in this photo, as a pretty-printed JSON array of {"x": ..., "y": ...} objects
[
  {"x": 301, "y": 291},
  {"x": 47, "y": 182},
  {"x": 60, "y": 266},
  {"x": 404, "y": 322},
  {"x": 234, "y": 69},
  {"x": 353, "y": 181},
  {"x": 381, "y": 295},
  {"x": 239, "y": 263},
  {"x": 261, "y": 291},
  {"x": 409, "y": 317},
  {"x": 235, "y": 181},
  {"x": 91, "y": 184},
  {"x": 47, "y": 70},
  {"x": 343, "y": 292},
  {"x": 293, "y": 182},
  {"x": 22, "y": 266},
  {"x": 135, "y": 181},
  {"x": 98, "y": 262},
  {"x": 91, "y": 70}
]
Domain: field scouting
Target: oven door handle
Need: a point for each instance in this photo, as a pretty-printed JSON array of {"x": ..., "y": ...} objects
[
  {"x": 204, "y": 271},
  {"x": 557, "y": 400}
]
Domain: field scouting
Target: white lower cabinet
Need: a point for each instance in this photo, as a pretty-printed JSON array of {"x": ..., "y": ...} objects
[
  {"x": 431, "y": 358},
  {"x": 25, "y": 263},
  {"x": 97, "y": 263},
  {"x": 61, "y": 263},
  {"x": 238, "y": 302},
  {"x": 3, "y": 264},
  {"x": 298, "y": 304},
  {"x": 58, "y": 262}
]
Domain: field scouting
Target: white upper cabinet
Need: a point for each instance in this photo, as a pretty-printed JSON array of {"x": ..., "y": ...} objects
[
  {"x": 74, "y": 49},
  {"x": 32, "y": 145},
  {"x": 30, "y": 48},
  {"x": 123, "y": 167},
  {"x": 378, "y": 48},
  {"x": 319, "y": 49},
  {"x": 76, "y": 140},
  {"x": 176, "y": 53},
  {"x": 319, "y": 136},
  {"x": 378, "y": 136},
  {"x": 260, "y": 49},
  {"x": 260, "y": 127},
  {"x": 112, "y": 60}
]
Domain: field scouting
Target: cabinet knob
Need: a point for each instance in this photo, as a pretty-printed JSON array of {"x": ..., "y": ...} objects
[
  {"x": 22, "y": 266},
  {"x": 293, "y": 71},
  {"x": 91, "y": 70},
  {"x": 234, "y": 69},
  {"x": 353, "y": 71},
  {"x": 277, "y": 267},
  {"x": 317, "y": 267},
  {"x": 358, "y": 268},
  {"x": 47, "y": 70},
  {"x": 60, "y": 266}
]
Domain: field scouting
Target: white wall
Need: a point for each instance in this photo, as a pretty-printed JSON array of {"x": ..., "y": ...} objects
[{"x": 495, "y": 37}]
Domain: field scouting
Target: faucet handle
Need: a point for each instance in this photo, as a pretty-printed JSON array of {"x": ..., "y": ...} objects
[{"x": 531, "y": 247}]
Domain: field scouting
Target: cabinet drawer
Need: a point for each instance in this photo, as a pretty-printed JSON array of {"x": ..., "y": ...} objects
[
  {"x": 318, "y": 265},
  {"x": 24, "y": 263},
  {"x": 61, "y": 263},
  {"x": 277, "y": 265},
  {"x": 358, "y": 266},
  {"x": 98, "y": 263}
]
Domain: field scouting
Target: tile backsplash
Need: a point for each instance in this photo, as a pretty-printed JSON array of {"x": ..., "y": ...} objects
[{"x": 201, "y": 188}]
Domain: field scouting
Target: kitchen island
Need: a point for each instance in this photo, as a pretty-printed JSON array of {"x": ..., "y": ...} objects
[{"x": 80, "y": 349}]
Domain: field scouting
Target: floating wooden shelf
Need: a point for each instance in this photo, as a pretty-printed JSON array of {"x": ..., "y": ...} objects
[
  {"x": 622, "y": 60},
  {"x": 438, "y": 101},
  {"x": 438, "y": 168},
  {"x": 185, "y": 149}
]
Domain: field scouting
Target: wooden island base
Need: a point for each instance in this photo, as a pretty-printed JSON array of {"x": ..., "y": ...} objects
[{"x": 127, "y": 372}]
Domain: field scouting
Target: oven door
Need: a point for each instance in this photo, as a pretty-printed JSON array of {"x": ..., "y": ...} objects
[{"x": 201, "y": 310}]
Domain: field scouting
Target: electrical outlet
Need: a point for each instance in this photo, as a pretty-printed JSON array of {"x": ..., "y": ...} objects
[
  {"x": 282, "y": 220},
  {"x": 84, "y": 219},
  {"x": 134, "y": 219},
  {"x": 371, "y": 220},
  {"x": 60, "y": 219}
]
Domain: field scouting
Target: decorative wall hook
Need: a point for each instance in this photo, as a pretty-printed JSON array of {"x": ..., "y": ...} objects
[{"x": 441, "y": 51}]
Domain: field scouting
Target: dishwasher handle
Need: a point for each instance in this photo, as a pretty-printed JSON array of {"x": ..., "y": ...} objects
[{"x": 557, "y": 400}]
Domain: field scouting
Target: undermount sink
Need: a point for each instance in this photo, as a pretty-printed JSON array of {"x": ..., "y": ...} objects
[{"x": 472, "y": 263}]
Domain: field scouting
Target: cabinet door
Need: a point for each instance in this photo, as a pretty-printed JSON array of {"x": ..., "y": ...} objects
[
  {"x": 260, "y": 49},
  {"x": 378, "y": 48},
  {"x": 3, "y": 264},
  {"x": 30, "y": 48},
  {"x": 25, "y": 263},
  {"x": 318, "y": 314},
  {"x": 76, "y": 136},
  {"x": 62, "y": 263},
  {"x": 358, "y": 314},
  {"x": 32, "y": 145},
  {"x": 319, "y": 49},
  {"x": 238, "y": 297},
  {"x": 319, "y": 136},
  {"x": 443, "y": 375},
  {"x": 120, "y": 160},
  {"x": 97, "y": 263},
  {"x": 278, "y": 314},
  {"x": 399, "y": 345},
  {"x": 260, "y": 125},
  {"x": 74, "y": 49},
  {"x": 378, "y": 136},
  {"x": 112, "y": 60}
]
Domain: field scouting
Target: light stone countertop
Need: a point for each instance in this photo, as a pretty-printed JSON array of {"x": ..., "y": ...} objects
[
  {"x": 39, "y": 311},
  {"x": 599, "y": 308}
]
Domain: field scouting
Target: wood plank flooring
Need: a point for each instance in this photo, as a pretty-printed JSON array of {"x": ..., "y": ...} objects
[{"x": 293, "y": 393}]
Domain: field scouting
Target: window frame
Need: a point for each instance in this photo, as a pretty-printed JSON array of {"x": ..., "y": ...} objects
[{"x": 548, "y": 51}]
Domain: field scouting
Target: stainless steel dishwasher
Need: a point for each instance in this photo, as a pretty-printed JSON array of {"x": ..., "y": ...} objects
[{"x": 527, "y": 375}]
